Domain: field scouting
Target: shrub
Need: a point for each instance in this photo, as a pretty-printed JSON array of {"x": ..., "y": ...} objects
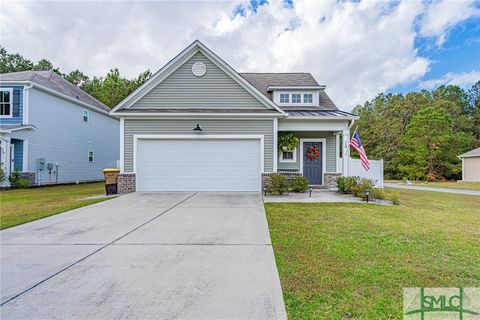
[
  {"x": 395, "y": 198},
  {"x": 377, "y": 193},
  {"x": 341, "y": 184},
  {"x": 277, "y": 184},
  {"x": 362, "y": 185},
  {"x": 2, "y": 173},
  {"x": 347, "y": 184},
  {"x": 17, "y": 182},
  {"x": 300, "y": 184}
]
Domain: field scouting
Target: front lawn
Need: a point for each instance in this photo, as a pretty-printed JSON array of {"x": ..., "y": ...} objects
[
  {"x": 341, "y": 261},
  {"x": 24, "y": 205},
  {"x": 446, "y": 184}
]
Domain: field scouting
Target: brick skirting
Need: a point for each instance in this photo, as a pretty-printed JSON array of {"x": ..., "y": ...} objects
[
  {"x": 289, "y": 175},
  {"x": 126, "y": 183},
  {"x": 30, "y": 176},
  {"x": 331, "y": 180}
]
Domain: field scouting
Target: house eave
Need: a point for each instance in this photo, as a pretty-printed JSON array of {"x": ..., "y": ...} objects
[
  {"x": 272, "y": 88},
  {"x": 56, "y": 93},
  {"x": 198, "y": 115}
]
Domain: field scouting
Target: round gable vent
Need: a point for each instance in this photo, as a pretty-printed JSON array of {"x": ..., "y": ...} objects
[{"x": 199, "y": 69}]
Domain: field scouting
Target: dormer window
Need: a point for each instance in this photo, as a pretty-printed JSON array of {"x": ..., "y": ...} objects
[
  {"x": 307, "y": 98},
  {"x": 284, "y": 98},
  {"x": 296, "y": 98}
]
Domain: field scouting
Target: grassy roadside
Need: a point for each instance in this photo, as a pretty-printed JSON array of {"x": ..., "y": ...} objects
[
  {"x": 25, "y": 205},
  {"x": 447, "y": 184},
  {"x": 340, "y": 261}
]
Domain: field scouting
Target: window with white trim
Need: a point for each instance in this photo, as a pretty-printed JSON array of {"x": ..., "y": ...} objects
[
  {"x": 288, "y": 156},
  {"x": 284, "y": 98},
  {"x": 307, "y": 98},
  {"x": 296, "y": 98},
  {"x": 6, "y": 106},
  {"x": 86, "y": 115},
  {"x": 91, "y": 156}
]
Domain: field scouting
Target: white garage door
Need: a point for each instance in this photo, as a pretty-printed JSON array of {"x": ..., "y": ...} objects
[{"x": 198, "y": 164}]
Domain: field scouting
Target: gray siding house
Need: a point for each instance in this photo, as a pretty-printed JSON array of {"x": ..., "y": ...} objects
[
  {"x": 199, "y": 125},
  {"x": 53, "y": 132}
]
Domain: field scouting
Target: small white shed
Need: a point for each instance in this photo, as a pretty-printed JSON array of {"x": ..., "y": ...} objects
[{"x": 471, "y": 165}]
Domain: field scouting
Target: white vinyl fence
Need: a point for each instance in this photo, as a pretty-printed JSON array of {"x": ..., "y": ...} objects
[{"x": 375, "y": 173}]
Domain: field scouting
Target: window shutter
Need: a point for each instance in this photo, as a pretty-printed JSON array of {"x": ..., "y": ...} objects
[{"x": 16, "y": 103}]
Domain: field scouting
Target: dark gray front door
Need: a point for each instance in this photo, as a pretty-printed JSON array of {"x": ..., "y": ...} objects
[{"x": 312, "y": 168}]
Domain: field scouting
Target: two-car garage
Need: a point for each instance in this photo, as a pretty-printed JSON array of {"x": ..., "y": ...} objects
[{"x": 198, "y": 163}]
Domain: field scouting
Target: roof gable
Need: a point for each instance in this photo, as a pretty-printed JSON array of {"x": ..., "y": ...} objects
[
  {"x": 214, "y": 90},
  {"x": 52, "y": 81},
  {"x": 471, "y": 153},
  {"x": 175, "y": 86}
]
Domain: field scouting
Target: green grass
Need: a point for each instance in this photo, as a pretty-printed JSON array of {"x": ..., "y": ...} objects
[
  {"x": 446, "y": 184},
  {"x": 349, "y": 260},
  {"x": 25, "y": 205}
]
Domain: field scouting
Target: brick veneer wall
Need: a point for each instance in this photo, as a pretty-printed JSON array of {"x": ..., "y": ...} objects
[
  {"x": 331, "y": 179},
  {"x": 126, "y": 183},
  {"x": 30, "y": 176},
  {"x": 289, "y": 175}
]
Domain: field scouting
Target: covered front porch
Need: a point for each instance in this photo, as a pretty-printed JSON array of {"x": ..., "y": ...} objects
[
  {"x": 322, "y": 153},
  {"x": 13, "y": 153}
]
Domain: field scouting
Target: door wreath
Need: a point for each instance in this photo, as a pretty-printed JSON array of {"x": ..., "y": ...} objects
[{"x": 313, "y": 152}]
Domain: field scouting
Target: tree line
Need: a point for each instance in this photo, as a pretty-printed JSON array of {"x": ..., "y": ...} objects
[
  {"x": 420, "y": 135},
  {"x": 110, "y": 89}
]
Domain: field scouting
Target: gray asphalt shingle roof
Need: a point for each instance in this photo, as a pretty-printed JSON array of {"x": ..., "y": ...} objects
[
  {"x": 261, "y": 81},
  {"x": 471, "y": 153},
  {"x": 53, "y": 81}
]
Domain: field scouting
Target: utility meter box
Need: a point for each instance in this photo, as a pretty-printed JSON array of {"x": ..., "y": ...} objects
[
  {"x": 49, "y": 166},
  {"x": 41, "y": 164}
]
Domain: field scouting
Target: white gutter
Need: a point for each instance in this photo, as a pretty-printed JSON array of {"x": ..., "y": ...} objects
[
  {"x": 197, "y": 114},
  {"x": 271, "y": 88}
]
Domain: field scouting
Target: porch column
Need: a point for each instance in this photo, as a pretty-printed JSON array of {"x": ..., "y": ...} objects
[{"x": 345, "y": 151}]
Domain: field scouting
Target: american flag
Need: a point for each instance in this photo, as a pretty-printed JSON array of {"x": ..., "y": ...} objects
[{"x": 356, "y": 144}]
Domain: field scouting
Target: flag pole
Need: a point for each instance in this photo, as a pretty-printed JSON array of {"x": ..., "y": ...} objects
[{"x": 348, "y": 146}]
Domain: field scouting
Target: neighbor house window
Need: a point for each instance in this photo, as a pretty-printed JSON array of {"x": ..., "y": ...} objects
[
  {"x": 296, "y": 98},
  {"x": 86, "y": 115},
  {"x": 90, "y": 156},
  {"x": 6, "y": 96},
  {"x": 288, "y": 156},
  {"x": 284, "y": 98},
  {"x": 307, "y": 98}
]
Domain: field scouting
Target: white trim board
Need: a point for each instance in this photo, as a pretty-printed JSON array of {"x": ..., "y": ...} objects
[
  {"x": 324, "y": 155},
  {"x": 178, "y": 61}
]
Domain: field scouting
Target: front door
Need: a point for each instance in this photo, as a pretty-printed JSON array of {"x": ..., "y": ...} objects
[{"x": 312, "y": 162}]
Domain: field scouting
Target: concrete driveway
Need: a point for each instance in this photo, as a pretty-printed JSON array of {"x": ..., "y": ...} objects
[{"x": 144, "y": 256}]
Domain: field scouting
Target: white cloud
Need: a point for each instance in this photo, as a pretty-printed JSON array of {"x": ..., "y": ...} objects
[
  {"x": 464, "y": 79},
  {"x": 356, "y": 49},
  {"x": 441, "y": 16}
]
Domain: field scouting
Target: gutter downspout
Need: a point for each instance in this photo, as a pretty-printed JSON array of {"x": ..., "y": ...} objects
[{"x": 26, "y": 104}]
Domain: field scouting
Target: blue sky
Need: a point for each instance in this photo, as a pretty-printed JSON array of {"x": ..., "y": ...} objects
[
  {"x": 356, "y": 48},
  {"x": 459, "y": 54}
]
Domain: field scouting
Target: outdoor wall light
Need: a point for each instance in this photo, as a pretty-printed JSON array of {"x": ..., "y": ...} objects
[
  {"x": 197, "y": 128},
  {"x": 367, "y": 193}
]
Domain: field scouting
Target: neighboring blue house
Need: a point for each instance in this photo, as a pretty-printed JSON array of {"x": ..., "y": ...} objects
[{"x": 53, "y": 132}]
